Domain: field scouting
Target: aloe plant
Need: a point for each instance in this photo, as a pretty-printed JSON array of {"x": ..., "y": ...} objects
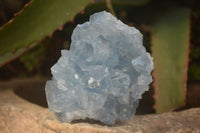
[
  {"x": 170, "y": 43},
  {"x": 38, "y": 19},
  {"x": 169, "y": 29}
]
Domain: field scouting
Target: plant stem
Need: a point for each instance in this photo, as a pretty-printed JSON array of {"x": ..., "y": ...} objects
[{"x": 110, "y": 8}]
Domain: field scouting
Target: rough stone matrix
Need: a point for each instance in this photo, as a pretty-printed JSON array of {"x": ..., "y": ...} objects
[{"x": 103, "y": 75}]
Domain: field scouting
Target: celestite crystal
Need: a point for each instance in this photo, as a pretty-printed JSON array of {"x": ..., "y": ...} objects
[{"x": 103, "y": 75}]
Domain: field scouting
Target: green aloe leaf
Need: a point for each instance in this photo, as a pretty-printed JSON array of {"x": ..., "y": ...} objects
[
  {"x": 39, "y": 19},
  {"x": 170, "y": 43}
]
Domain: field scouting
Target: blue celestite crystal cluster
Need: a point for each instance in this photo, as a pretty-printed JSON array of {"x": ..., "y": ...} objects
[{"x": 103, "y": 75}]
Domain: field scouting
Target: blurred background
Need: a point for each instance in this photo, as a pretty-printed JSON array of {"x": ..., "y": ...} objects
[{"x": 171, "y": 30}]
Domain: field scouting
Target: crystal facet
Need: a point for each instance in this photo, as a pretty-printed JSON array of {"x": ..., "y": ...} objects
[{"x": 103, "y": 75}]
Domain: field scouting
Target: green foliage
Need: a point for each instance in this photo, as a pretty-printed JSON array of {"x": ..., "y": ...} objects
[
  {"x": 34, "y": 58},
  {"x": 165, "y": 28},
  {"x": 195, "y": 51},
  {"x": 194, "y": 72},
  {"x": 170, "y": 43},
  {"x": 37, "y": 20}
]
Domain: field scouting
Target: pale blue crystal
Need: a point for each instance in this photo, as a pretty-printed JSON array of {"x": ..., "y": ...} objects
[{"x": 103, "y": 75}]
